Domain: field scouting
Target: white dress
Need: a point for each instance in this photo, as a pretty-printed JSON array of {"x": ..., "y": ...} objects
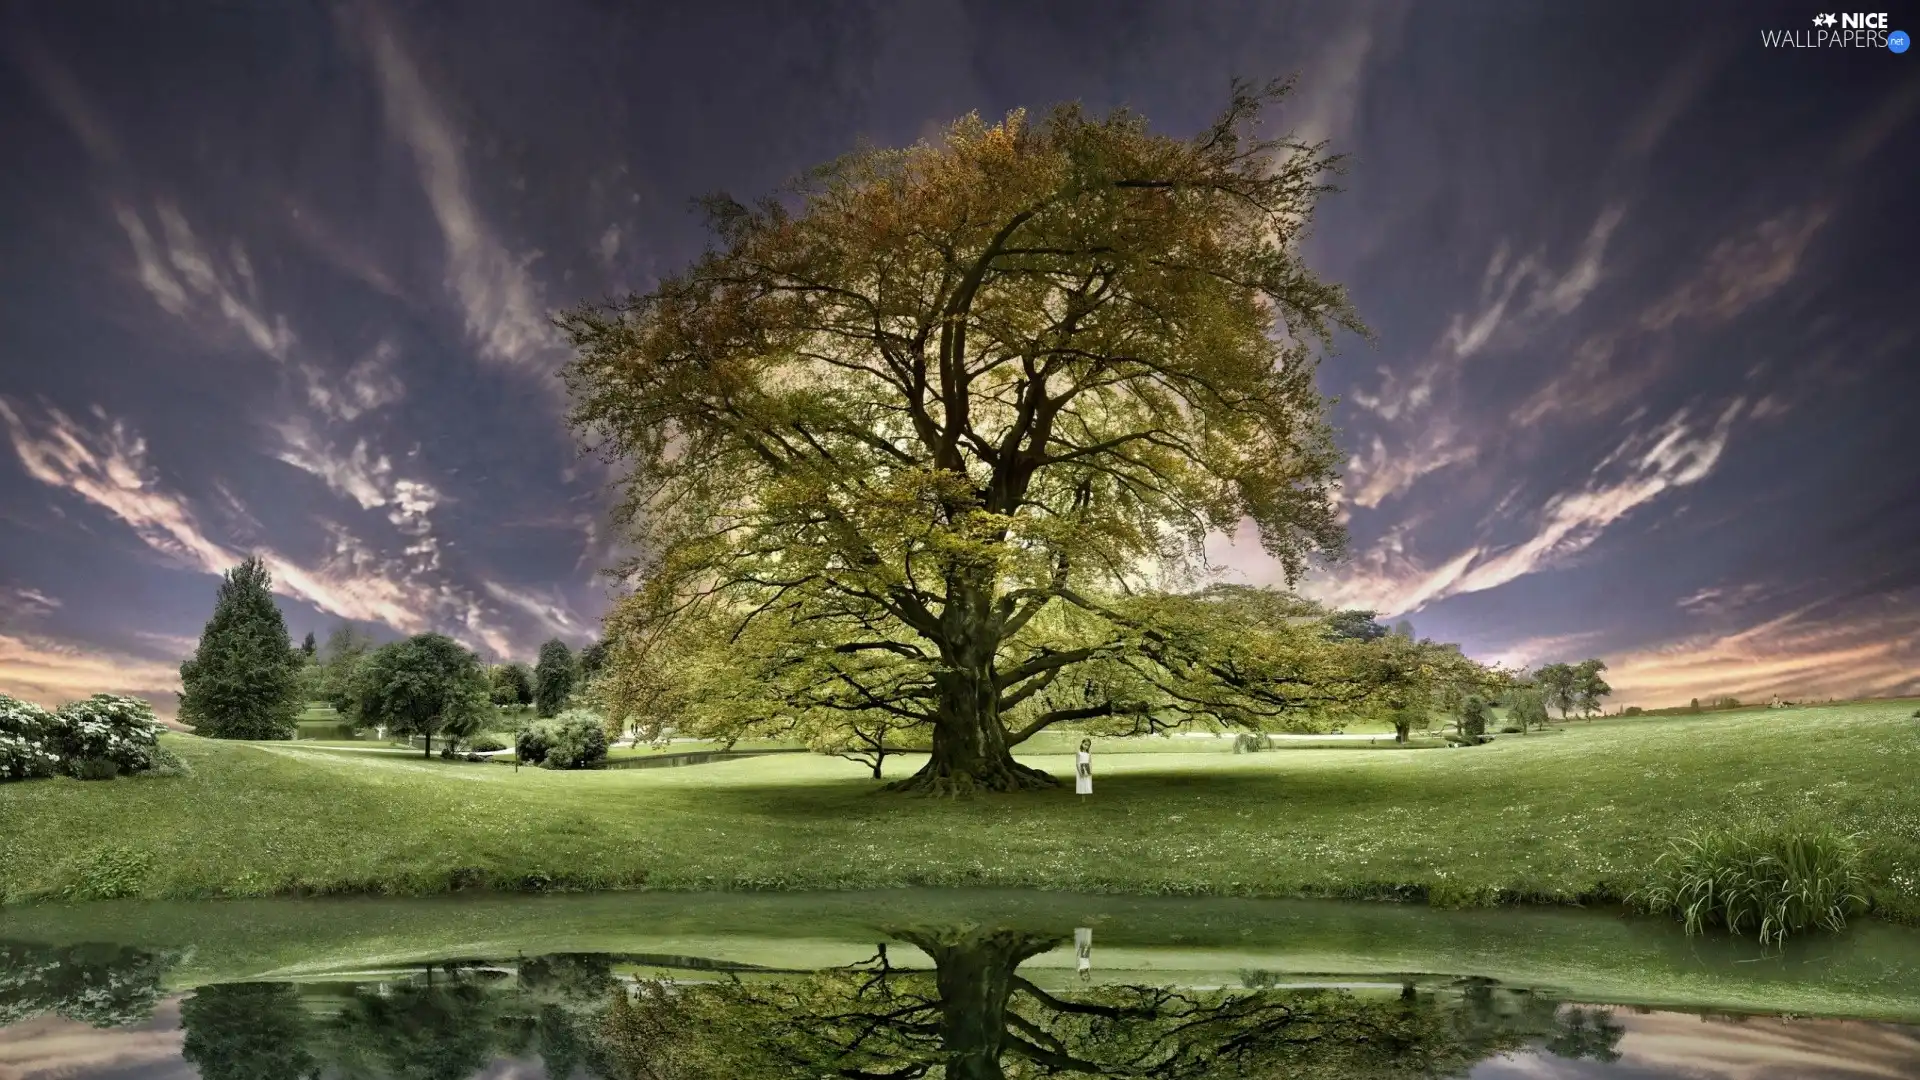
[{"x": 1083, "y": 773}]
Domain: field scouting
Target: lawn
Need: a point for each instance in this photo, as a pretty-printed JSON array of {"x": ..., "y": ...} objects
[{"x": 1569, "y": 816}]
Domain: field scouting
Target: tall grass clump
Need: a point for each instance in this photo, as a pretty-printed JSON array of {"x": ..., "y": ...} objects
[{"x": 1770, "y": 882}]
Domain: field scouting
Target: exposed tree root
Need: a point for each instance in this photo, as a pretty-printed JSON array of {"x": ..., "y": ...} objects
[{"x": 942, "y": 779}]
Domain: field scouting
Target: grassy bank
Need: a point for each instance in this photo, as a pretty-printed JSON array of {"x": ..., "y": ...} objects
[
  {"x": 1874, "y": 971},
  {"x": 1575, "y": 814}
]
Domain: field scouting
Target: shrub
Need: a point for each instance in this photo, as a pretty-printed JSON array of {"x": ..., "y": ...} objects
[
  {"x": 1632, "y": 710},
  {"x": 1510, "y": 729},
  {"x": 486, "y": 744},
  {"x": 530, "y": 745},
  {"x": 26, "y": 735},
  {"x": 575, "y": 739},
  {"x": 106, "y": 727},
  {"x": 1768, "y": 882},
  {"x": 168, "y": 763}
]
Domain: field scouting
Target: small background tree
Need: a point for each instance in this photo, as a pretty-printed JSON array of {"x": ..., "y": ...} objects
[
  {"x": 1588, "y": 687},
  {"x": 339, "y": 662},
  {"x": 553, "y": 678},
  {"x": 1559, "y": 687},
  {"x": 427, "y": 685},
  {"x": 1474, "y": 711},
  {"x": 1527, "y": 709},
  {"x": 512, "y": 685},
  {"x": 243, "y": 681}
]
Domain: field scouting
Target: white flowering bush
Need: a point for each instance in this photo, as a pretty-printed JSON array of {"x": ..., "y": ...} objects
[
  {"x": 26, "y": 740},
  {"x": 106, "y": 728}
]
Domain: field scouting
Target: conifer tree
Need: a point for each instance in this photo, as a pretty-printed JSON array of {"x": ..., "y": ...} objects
[
  {"x": 243, "y": 680},
  {"x": 553, "y": 677}
]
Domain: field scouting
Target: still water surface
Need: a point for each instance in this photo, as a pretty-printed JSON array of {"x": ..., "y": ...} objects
[{"x": 954, "y": 987}]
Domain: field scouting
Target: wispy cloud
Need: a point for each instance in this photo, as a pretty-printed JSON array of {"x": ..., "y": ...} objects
[
  {"x": 24, "y": 601},
  {"x": 368, "y": 385},
  {"x": 67, "y": 99},
  {"x": 1615, "y": 366},
  {"x": 1389, "y": 578},
  {"x": 187, "y": 280},
  {"x": 1717, "y": 600},
  {"x": 1517, "y": 297},
  {"x": 1798, "y": 654},
  {"x": 51, "y": 672},
  {"x": 1517, "y": 294},
  {"x": 502, "y": 303},
  {"x": 1551, "y": 648},
  {"x": 107, "y": 466},
  {"x": 1379, "y": 475},
  {"x": 551, "y": 611}
]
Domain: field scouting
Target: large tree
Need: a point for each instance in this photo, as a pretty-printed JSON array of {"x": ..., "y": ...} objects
[
  {"x": 427, "y": 685},
  {"x": 243, "y": 680},
  {"x": 553, "y": 677},
  {"x": 927, "y": 428}
]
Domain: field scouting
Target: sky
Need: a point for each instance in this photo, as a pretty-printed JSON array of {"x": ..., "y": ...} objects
[{"x": 275, "y": 279}]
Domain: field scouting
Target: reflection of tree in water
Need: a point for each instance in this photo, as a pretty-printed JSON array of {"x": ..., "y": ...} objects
[
  {"x": 974, "y": 1017},
  {"x": 445, "y": 1023},
  {"x": 247, "y": 1031},
  {"x": 439, "y": 1028},
  {"x": 102, "y": 985}
]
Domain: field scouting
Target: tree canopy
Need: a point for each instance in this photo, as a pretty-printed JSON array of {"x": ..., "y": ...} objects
[
  {"x": 932, "y": 436},
  {"x": 427, "y": 685},
  {"x": 243, "y": 680},
  {"x": 512, "y": 684},
  {"x": 553, "y": 677}
]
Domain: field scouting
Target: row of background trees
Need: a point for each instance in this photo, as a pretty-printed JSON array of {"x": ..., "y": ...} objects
[
  {"x": 246, "y": 680},
  {"x": 1314, "y": 667}
]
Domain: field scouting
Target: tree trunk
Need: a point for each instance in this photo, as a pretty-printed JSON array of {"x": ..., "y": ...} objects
[
  {"x": 970, "y": 751},
  {"x": 974, "y": 973},
  {"x": 428, "y": 752}
]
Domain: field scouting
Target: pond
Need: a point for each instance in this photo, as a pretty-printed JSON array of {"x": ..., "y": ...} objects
[{"x": 959, "y": 984}]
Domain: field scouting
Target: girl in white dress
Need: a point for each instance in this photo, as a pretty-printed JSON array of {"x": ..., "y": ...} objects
[{"x": 1083, "y": 769}]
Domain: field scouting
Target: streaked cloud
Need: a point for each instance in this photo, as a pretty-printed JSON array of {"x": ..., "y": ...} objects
[
  {"x": 368, "y": 385},
  {"x": 1381, "y": 474},
  {"x": 1802, "y": 653},
  {"x": 107, "y": 466},
  {"x": 502, "y": 303},
  {"x": 24, "y": 601},
  {"x": 68, "y": 100},
  {"x": 1614, "y": 366},
  {"x": 1551, "y": 648},
  {"x": 188, "y": 280},
  {"x": 1388, "y": 578},
  {"x": 554, "y": 615},
  {"x": 51, "y": 671}
]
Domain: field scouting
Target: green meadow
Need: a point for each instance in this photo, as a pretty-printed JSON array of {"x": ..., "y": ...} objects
[{"x": 1571, "y": 815}]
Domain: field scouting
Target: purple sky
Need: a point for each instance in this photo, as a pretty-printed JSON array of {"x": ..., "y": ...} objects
[{"x": 274, "y": 278}]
